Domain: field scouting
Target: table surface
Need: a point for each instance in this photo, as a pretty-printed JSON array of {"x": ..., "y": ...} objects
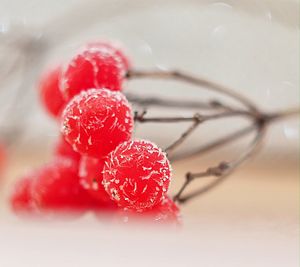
[{"x": 251, "y": 220}]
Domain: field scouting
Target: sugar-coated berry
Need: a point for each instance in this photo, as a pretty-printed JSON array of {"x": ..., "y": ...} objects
[
  {"x": 167, "y": 212},
  {"x": 90, "y": 173},
  {"x": 63, "y": 149},
  {"x": 56, "y": 187},
  {"x": 136, "y": 175},
  {"x": 49, "y": 91},
  {"x": 96, "y": 121},
  {"x": 21, "y": 199},
  {"x": 114, "y": 47},
  {"x": 92, "y": 67}
]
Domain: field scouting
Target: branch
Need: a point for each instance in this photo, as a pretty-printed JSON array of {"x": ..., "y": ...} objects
[
  {"x": 216, "y": 144},
  {"x": 196, "y": 120},
  {"x": 196, "y": 117},
  {"x": 221, "y": 171},
  {"x": 171, "y": 103},
  {"x": 183, "y": 137},
  {"x": 279, "y": 115},
  {"x": 183, "y": 77}
]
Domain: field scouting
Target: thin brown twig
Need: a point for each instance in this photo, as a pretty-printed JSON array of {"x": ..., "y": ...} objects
[
  {"x": 196, "y": 117},
  {"x": 183, "y": 137},
  {"x": 216, "y": 144},
  {"x": 200, "y": 82},
  {"x": 283, "y": 114},
  {"x": 171, "y": 103},
  {"x": 224, "y": 169},
  {"x": 221, "y": 171}
]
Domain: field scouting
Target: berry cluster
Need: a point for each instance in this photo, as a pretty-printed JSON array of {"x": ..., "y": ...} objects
[{"x": 96, "y": 165}]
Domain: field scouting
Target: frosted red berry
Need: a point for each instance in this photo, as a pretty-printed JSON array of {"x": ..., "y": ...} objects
[
  {"x": 56, "y": 187},
  {"x": 63, "y": 149},
  {"x": 90, "y": 173},
  {"x": 136, "y": 175},
  {"x": 93, "y": 67},
  {"x": 167, "y": 212},
  {"x": 96, "y": 121},
  {"x": 113, "y": 47},
  {"x": 21, "y": 199},
  {"x": 49, "y": 91}
]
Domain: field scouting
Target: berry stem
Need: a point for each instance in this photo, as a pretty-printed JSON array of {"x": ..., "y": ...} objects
[
  {"x": 183, "y": 137},
  {"x": 221, "y": 171},
  {"x": 187, "y": 78},
  {"x": 195, "y": 118},
  {"x": 260, "y": 122},
  {"x": 171, "y": 103},
  {"x": 216, "y": 144},
  {"x": 224, "y": 169}
]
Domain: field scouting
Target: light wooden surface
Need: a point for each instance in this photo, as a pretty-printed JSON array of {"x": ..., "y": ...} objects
[
  {"x": 250, "y": 220},
  {"x": 261, "y": 187}
]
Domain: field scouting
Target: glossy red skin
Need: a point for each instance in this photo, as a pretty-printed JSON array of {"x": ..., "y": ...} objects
[
  {"x": 90, "y": 173},
  {"x": 93, "y": 67},
  {"x": 96, "y": 121},
  {"x": 167, "y": 212},
  {"x": 50, "y": 94},
  {"x": 63, "y": 149},
  {"x": 56, "y": 188},
  {"x": 20, "y": 199},
  {"x": 137, "y": 175}
]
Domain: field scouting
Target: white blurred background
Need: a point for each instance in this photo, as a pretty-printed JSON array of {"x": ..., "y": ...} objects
[{"x": 249, "y": 45}]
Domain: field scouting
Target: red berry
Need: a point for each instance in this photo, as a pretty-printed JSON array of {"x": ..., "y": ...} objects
[
  {"x": 96, "y": 121},
  {"x": 90, "y": 173},
  {"x": 57, "y": 187},
  {"x": 136, "y": 175},
  {"x": 50, "y": 93},
  {"x": 2, "y": 158},
  {"x": 114, "y": 47},
  {"x": 93, "y": 67},
  {"x": 20, "y": 199},
  {"x": 165, "y": 212},
  {"x": 64, "y": 149}
]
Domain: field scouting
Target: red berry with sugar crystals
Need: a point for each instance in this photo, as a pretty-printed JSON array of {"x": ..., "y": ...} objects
[
  {"x": 96, "y": 121},
  {"x": 167, "y": 212},
  {"x": 63, "y": 149},
  {"x": 114, "y": 47},
  {"x": 50, "y": 93},
  {"x": 90, "y": 173},
  {"x": 136, "y": 175},
  {"x": 93, "y": 67},
  {"x": 56, "y": 187},
  {"x": 20, "y": 199}
]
